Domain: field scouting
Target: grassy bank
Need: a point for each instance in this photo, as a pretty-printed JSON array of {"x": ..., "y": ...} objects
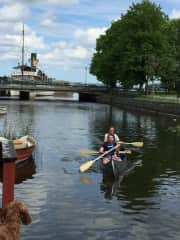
[{"x": 160, "y": 98}]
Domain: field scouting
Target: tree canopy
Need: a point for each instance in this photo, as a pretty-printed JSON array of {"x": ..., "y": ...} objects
[{"x": 138, "y": 47}]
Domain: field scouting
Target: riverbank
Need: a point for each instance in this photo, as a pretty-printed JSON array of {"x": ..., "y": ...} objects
[{"x": 149, "y": 106}]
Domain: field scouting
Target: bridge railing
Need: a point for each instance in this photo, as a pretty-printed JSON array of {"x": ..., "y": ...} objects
[
  {"x": 27, "y": 82},
  {"x": 23, "y": 82}
]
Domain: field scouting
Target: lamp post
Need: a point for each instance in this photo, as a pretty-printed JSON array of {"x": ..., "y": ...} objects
[{"x": 86, "y": 69}]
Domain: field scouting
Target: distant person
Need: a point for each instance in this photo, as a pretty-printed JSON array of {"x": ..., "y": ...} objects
[{"x": 112, "y": 132}]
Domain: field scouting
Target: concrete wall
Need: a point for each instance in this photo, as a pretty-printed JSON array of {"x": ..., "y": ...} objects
[{"x": 155, "y": 108}]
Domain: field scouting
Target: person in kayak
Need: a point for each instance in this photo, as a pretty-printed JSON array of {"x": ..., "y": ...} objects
[
  {"x": 111, "y": 132},
  {"x": 107, "y": 145}
]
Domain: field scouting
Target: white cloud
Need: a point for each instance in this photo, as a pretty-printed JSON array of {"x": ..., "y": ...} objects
[
  {"x": 62, "y": 2},
  {"x": 50, "y": 2},
  {"x": 89, "y": 35},
  {"x": 49, "y": 23},
  {"x": 51, "y": 28},
  {"x": 64, "y": 51},
  {"x": 65, "y": 55},
  {"x": 13, "y": 12},
  {"x": 35, "y": 42},
  {"x": 11, "y": 42},
  {"x": 77, "y": 52},
  {"x": 175, "y": 14},
  {"x": 32, "y": 41},
  {"x": 9, "y": 56}
]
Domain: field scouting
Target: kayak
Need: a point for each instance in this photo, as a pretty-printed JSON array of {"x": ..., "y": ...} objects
[{"x": 114, "y": 168}]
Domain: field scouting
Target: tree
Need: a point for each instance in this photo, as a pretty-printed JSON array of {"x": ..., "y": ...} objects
[
  {"x": 170, "y": 75},
  {"x": 144, "y": 42},
  {"x": 104, "y": 60},
  {"x": 132, "y": 49}
]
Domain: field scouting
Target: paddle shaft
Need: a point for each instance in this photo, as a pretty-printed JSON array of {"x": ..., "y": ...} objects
[
  {"x": 105, "y": 153},
  {"x": 89, "y": 152}
]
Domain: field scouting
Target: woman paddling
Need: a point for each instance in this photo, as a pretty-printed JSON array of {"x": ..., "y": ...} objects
[
  {"x": 107, "y": 145},
  {"x": 111, "y": 132},
  {"x": 112, "y": 159}
]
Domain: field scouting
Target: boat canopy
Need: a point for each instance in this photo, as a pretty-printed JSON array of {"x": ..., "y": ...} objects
[{"x": 25, "y": 68}]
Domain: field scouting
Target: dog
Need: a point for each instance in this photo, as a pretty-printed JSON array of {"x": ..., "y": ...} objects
[{"x": 10, "y": 219}]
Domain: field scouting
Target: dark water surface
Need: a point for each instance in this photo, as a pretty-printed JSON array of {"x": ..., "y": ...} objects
[{"x": 68, "y": 205}]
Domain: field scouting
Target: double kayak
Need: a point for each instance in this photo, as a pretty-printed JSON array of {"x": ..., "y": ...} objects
[{"x": 114, "y": 168}]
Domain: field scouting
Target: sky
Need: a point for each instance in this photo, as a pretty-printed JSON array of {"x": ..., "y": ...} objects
[{"x": 63, "y": 33}]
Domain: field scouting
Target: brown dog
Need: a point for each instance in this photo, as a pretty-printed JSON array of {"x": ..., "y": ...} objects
[{"x": 11, "y": 217}]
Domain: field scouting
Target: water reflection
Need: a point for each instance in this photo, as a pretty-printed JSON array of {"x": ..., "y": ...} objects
[
  {"x": 85, "y": 180},
  {"x": 23, "y": 171},
  {"x": 22, "y": 115},
  {"x": 111, "y": 186}
]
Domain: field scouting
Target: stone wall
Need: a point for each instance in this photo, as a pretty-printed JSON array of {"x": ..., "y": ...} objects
[{"x": 155, "y": 108}]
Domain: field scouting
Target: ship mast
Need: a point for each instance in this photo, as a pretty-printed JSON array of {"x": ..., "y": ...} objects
[{"x": 22, "y": 67}]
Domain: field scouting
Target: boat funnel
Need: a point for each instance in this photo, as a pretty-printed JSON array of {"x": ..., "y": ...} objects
[{"x": 34, "y": 60}]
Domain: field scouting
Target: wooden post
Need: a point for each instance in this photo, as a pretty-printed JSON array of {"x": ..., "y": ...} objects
[{"x": 8, "y": 157}]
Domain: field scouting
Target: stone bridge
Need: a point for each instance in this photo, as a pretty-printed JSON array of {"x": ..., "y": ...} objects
[{"x": 85, "y": 91}]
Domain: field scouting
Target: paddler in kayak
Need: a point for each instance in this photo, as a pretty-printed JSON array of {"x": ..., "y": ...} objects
[
  {"x": 116, "y": 155},
  {"x": 111, "y": 132},
  {"x": 110, "y": 143}
]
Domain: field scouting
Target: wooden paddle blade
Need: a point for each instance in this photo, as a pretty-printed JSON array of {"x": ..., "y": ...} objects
[
  {"x": 128, "y": 151},
  {"x": 85, "y": 166},
  {"x": 87, "y": 152},
  {"x": 125, "y": 151},
  {"x": 135, "y": 144}
]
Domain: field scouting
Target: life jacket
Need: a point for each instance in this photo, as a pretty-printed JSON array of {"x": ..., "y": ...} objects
[{"x": 107, "y": 146}]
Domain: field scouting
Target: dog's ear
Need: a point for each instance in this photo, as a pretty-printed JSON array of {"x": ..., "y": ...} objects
[
  {"x": 21, "y": 208},
  {"x": 25, "y": 216},
  {"x": 23, "y": 212}
]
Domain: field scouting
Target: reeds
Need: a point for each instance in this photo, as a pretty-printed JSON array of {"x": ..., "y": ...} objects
[{"x": 12, "y": 133}]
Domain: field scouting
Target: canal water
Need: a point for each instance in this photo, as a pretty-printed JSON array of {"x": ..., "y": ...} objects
[{"x": 66, "y": 204}]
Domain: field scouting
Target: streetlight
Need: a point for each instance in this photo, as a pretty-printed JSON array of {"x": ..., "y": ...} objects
[
  {"x": 85, "y": 82},
  {"x": 86, "y": 74}
]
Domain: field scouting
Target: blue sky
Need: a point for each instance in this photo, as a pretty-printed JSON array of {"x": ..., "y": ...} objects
[{"x": 62, "y": 32}]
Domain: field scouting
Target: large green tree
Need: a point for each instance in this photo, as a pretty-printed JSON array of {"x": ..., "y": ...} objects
[
  {"x": 170, "y": 74},
  {"x": 144, "y": 43},
  {"x": 104, "y": 60},
  {"x": 132, "y": 49}
]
